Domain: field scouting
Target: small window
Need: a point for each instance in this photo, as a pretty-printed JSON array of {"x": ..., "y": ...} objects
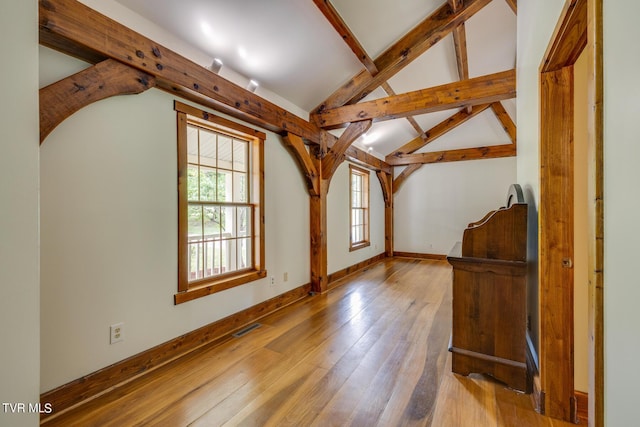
[
  {"x": 220, "y": 199},
  {"x": 359, "y": 207}
]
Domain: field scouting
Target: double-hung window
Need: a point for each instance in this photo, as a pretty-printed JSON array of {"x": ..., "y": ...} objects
[
  {"x": 220, "y": 203},
  {"x": 359, "y": 207}
]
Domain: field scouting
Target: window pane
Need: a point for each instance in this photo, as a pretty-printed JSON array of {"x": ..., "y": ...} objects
[
  {"x": 207, "y": 148},
  {"x": 225, "y": 186},
  {"x": 195, "y": 222},
  {"x": 230, "y": 254},
  {"x": 192, "y": 144},
  {"x": 207, "y": 184},
  {"x": 244, "y": 253},
  {"x": 359, "y": 206},
  {"x": 220, "y": 235},
  {"x": 217, "y": 261},
  {"x": 224, "y": 152},
  {"x": 240, "y": 187},
  {"x": 195, "y": 261},
  {"x": 244, "y": 221},
  {"x": 240, "y": 155},
  {"x": 192, "y": 183},
  {"x": 356, "y": 199},
  {"x": 211, "y": 222},
  {"x": 207, "y": 256},
  {"x": 227, "y": 221}
]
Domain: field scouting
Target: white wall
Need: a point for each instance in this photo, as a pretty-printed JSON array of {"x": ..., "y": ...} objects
[
  {"x": 621, "y": 206},
  {"x": 109, "y": 232},
  {"x": 19, "y": 276},
  {"x": 338, "y": 211},
  {"x": 438, "y": 201},
  {"x": 536, "y": 21}
]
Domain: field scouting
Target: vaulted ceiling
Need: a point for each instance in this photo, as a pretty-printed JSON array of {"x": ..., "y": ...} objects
[{"x": 406, "y": 57}]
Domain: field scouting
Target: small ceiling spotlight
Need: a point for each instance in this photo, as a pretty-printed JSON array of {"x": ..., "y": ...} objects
[
  {"x": 252, "y": 86},
  {"x": 370, "y": 149},
  {"x": 370, "y": 137},
  {"x": 216, "y": 65}
]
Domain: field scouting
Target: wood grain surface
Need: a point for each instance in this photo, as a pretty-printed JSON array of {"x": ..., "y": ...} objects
[{"x": 372, "y": 351}]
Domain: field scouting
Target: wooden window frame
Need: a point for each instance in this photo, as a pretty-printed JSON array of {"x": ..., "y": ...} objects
[
  {"x": 364, "y": 173},
  {"x": 187, "y": 290}
]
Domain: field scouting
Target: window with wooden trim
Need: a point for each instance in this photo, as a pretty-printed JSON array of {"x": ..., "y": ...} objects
[
  {"x": 359, "y": 207},
  {"x": 220, "y": 203}
]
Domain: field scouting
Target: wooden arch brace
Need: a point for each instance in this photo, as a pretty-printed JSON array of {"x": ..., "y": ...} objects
[
  {"x": 103, "y": 80},
  {"x": 336, "y": 153},
  {"x": 400, "y": 179},
  {"x": 296, "y": 147},
  {"x": 386, "y": 183}
]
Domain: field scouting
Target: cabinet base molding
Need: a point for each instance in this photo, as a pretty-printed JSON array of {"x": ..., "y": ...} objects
[{"x": 514, "y": 374}]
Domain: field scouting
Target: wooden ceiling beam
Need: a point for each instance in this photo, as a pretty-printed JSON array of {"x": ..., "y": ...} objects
[
  {"x": 414, "y": 124},
  {"x": 513, "y": 4},
  {"x": 479, "y": 90},
  {"x": 460, "y": 46},
  {"x": 343, "y": 30},
  {"x": 336, "y": 154},
  {"x": 476, "y": 153},
  {"x": 77, "y": 30},
  {"x": 505, "y": 120},
  {"x": 63, "y": 26},
  {"x": 351, "y": 40},
  {"x": 411, "y": 46},
  {"x": 438, "y": 130},
  {"x": 108, "y": 78},
  {"x": 362, "y": 158}
]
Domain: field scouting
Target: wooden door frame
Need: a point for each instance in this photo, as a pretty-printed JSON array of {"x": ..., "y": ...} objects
[{"x": 579, "y": 28}]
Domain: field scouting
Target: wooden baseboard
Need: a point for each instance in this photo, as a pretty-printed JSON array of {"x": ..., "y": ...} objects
[
  {"x": 419, "y": 255},
  {"x": 582, "y": 405},
  {"x": 537, "y": 395},
  {"x": 334, "y": 277},
  {"x": 82, "y": 389}
]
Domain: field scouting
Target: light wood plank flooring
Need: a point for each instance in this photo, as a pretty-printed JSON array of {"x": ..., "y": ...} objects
[{"x": 371, "y": 352}]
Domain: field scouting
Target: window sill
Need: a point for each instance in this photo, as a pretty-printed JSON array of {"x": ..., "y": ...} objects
[
  {"x": 218, "y": 285},
  {"x": 359, "y": 246}
]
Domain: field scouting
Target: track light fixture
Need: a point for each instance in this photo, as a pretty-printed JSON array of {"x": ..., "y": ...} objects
[
  {"x": 252, "y": 86},
  {"x": 216, "y": 65}
]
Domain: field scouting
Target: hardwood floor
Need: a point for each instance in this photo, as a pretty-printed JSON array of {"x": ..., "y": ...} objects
[{"x": 371, "y": 352}]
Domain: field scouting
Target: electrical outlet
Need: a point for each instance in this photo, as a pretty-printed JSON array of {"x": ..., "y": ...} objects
[
  {"x": 273, "y": 281},
  {"x": 117, "y": 333},
  {"x": 285, "y": 277}
]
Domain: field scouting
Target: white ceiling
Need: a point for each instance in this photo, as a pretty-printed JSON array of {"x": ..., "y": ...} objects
[{"x": 290, "y": 48}]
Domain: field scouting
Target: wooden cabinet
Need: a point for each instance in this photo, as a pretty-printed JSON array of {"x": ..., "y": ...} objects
[{"x": 489, "y": 298}]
